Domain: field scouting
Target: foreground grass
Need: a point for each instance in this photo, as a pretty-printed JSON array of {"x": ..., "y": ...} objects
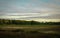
[{"x": 28, "y": 31}]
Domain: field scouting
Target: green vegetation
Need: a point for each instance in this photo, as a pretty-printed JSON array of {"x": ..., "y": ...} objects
[
  {"x": 44, "y": 32},
  {"x": 28, "y": 29},
  {"x": 21, "y": 22}
]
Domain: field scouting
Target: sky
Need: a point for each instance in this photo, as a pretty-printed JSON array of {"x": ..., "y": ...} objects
[{"x": 40, "y": 10}]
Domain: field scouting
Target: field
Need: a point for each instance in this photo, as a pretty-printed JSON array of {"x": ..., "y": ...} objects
[{"x": 25, "y": 31}]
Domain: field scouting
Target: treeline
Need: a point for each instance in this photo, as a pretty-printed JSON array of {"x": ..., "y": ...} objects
[{"x": 23, "y": 22}]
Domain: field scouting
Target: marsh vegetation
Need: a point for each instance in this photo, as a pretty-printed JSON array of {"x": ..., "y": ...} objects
[
  {"x": 30, "y": 32},
  {"x": 29, "y": 29}
]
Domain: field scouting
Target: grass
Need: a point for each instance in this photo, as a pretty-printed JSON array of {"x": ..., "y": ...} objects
[{"x": 28, "y": 31}]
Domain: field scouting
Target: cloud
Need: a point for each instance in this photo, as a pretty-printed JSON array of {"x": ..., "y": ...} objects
[{"x": 31, "y": 10}]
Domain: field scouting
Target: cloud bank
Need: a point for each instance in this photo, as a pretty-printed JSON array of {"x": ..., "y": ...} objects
[{"x": 30, "y": 9}]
